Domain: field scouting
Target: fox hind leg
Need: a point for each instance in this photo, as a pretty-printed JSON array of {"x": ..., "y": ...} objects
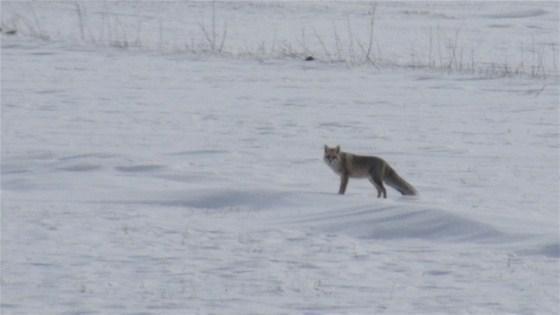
[{"x": 378, "y": 184}]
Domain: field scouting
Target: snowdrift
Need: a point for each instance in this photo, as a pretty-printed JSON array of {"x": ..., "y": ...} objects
[{"x": 363, "y": 217}]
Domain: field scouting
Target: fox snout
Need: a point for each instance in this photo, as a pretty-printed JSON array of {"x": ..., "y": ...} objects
[{"x": 331, "y": 155}]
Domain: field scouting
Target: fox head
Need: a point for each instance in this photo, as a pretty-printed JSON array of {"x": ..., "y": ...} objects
[{"x": 332, "y": 155}]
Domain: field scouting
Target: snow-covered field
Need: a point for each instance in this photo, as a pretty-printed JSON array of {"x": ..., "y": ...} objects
[{"x": 159, "y": 179}]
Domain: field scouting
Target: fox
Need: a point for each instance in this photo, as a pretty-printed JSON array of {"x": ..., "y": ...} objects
[{"x": 377, "y": 170}]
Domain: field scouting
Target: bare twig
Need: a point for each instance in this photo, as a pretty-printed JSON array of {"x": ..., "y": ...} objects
[
  {"x": 371, "y": 24},
  {"x": 80, "y": 19},
  {"x": 351, "y": 54},
  {"x": 320, "y": 40},
  {"x": 337, "y": 43}
]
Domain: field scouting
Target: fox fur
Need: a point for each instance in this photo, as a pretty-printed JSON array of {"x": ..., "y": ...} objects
[{"x": 377, "y": 170}]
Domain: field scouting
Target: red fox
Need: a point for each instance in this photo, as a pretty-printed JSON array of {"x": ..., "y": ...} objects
[{"x": 348, "y": 165}]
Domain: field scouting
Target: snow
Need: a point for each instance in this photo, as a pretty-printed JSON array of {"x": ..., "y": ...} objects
[{"x": 151, "y": 180}]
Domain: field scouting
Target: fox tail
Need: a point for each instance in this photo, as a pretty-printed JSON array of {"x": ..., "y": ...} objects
[{"x": 394, "y": 180}]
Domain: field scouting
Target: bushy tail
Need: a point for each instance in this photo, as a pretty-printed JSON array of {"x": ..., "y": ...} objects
[{"x": 394, "y": 180}]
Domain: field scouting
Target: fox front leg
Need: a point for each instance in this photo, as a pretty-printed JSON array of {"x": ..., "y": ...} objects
[{"x": 343, "y": 184}]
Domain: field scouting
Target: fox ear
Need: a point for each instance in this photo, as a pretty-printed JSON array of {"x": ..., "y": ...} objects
[{"x": 337, "y": 149}]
